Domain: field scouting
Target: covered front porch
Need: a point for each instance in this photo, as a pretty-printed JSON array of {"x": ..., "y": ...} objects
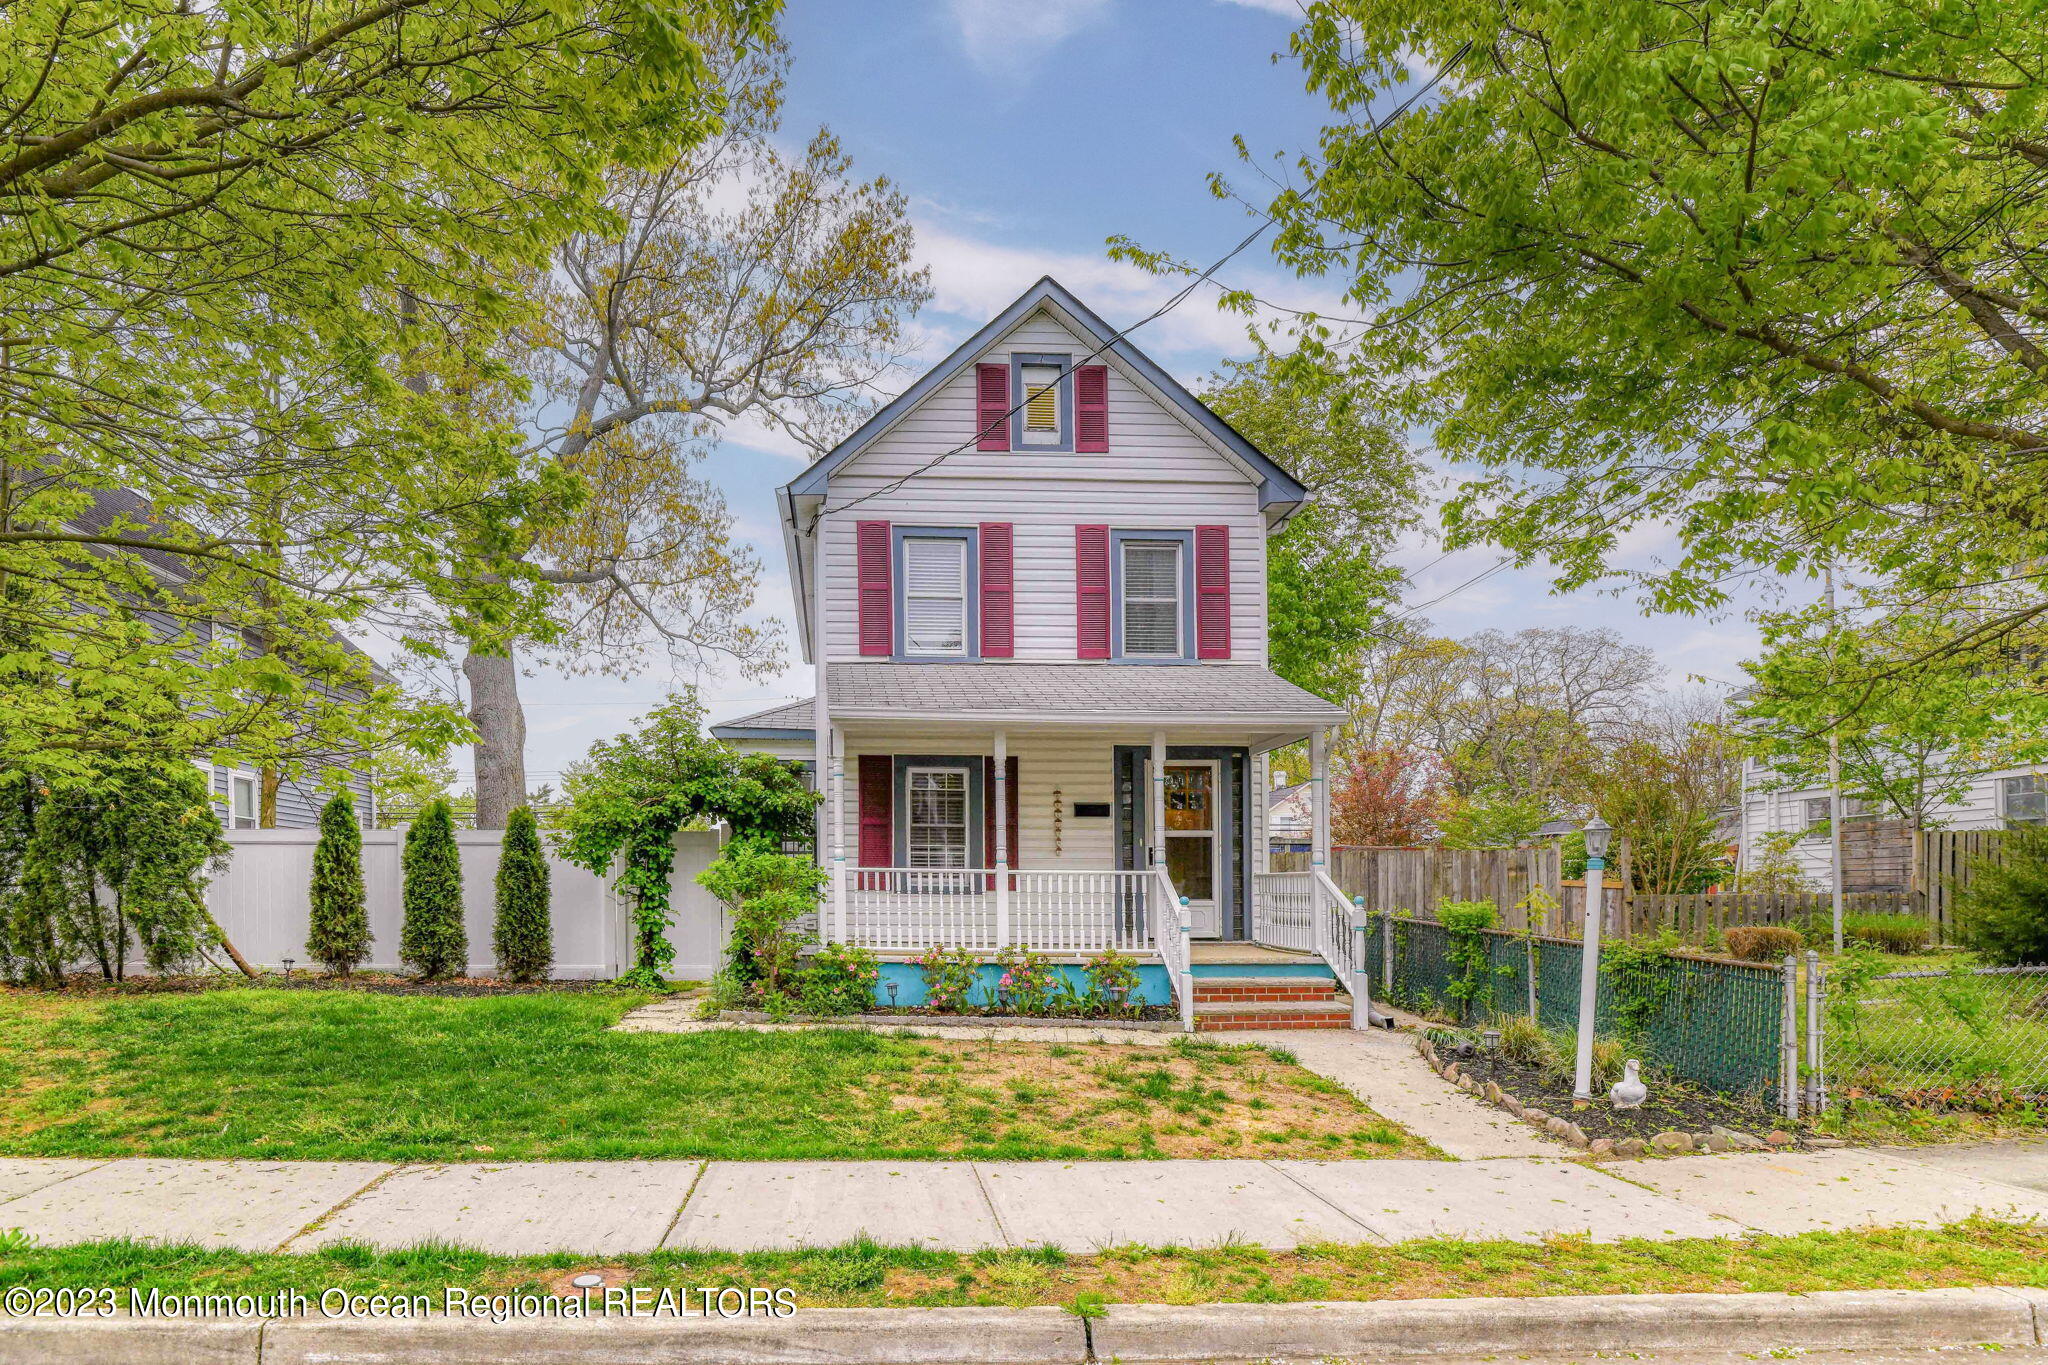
[{"x": 1071, "y": 836}]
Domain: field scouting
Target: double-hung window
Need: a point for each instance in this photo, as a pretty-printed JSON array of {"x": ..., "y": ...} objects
[
  {"x": 241, "y": 801},
  {"x": 1151, "y": 607},
  {"x": 935, "y": 595},
  {"x": 2024, "y": 799},
  {"x": 935, "y": 823}
]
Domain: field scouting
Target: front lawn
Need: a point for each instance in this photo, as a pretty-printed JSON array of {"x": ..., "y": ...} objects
[
  {"x": 353, "y": 1075},
  {"x": 866, "y": 1275}
]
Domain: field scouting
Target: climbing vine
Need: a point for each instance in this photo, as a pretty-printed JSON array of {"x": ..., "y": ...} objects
[
  {"x": 1642, "y": 982},
  {"x": 1472, "y": 971},
  {"x": 630, "y": 796}
]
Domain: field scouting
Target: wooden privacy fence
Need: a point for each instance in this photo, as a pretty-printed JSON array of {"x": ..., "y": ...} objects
[
  {"x": 1697, "y": 918},
  {"x": 1418, "y": 880},
  {"x": 1944, "y": 861}
]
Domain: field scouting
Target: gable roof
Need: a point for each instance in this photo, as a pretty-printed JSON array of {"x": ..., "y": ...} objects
[
  {"x": 1276, "y": 485},
  {"x": 790, "y": 720}
]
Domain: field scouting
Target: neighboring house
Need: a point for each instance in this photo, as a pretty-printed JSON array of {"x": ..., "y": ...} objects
[
  {"x": 1033, "y": 591},
  {"x": 1291, "y": 817},
  {"x": 236, "y": 788},
  {"x": 1876, "y": 847}
]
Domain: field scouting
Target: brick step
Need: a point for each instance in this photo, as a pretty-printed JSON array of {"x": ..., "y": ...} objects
[
  {"x": 1251, "y": 989},
  {"x": 1226, "y": 1016}
]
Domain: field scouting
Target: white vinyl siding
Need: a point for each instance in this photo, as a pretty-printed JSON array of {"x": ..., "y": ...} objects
[
  {"x": 1151, "y": 599},
  {"x": 934, "y": 595},
  {"x": 935, "y": 818},
  {"x": 1984, "y": 805},
  {"x": 1160, "y": 474}
]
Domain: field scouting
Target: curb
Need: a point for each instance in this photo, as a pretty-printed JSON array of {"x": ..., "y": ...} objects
[{"x": 1874, "y": 1318}]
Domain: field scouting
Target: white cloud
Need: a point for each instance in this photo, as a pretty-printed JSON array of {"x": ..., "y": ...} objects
[
  {"x": 1286, "y": 9},
  {"x": 1005, "y": 39}
]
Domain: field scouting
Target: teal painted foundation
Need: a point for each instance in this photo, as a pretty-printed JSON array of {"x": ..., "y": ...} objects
[{"x": 1153, "y": 988}]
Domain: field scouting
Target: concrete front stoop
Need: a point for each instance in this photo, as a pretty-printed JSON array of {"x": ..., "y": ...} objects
[{"x": 1732, "y": 1326}]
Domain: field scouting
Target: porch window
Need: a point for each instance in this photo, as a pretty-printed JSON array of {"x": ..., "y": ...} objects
[
  {"x": 934, "y": 595},
  {"x": 935, "y": 826},
  {"x": 1151, "y": 599}
]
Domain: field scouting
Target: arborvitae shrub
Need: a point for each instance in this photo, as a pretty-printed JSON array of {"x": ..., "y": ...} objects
[
  {"x": 433, "y": 942},
  {"x": 2003, "y": 912},
  {"x": 523, "y": 935},
  {"x": 338, "y": 935}
]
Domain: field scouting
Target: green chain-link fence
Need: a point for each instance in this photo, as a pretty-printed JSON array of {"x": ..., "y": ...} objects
[{"x": 1717, "y": 1024}]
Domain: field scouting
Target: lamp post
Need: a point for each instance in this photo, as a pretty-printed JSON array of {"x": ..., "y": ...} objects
[{"x": 1598, "y": 832}]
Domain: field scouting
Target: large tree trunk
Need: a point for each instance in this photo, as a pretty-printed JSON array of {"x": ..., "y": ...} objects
[{"x": 500, "y": 748}]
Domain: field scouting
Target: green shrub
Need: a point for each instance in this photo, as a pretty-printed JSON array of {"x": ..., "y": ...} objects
[
  {"x": 950, "y": 977},
  {"x": 1763, "y": 942},
  {"x": 432, "y": 940},
  {"x": 838, "y": 980},
  {"x": 522, "y": 933},
  {"x": 768, "y": 891},
  {"x": 1889, "y": 933},
  {"x": 338, "y": 930},
  {"x": 2003, "y": 913}
]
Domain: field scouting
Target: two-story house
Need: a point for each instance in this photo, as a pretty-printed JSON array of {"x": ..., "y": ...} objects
[{"x": 1033, "y": 591}]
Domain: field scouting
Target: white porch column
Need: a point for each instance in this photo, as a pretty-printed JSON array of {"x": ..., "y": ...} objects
[
  {"x": 1261, "y": 782},
  {"x": 1319, "y": 792},
  {"x": 838, "y": 741},
  {"x": 1002, "y": 827},
  {"x": 1159, "y": 798}
]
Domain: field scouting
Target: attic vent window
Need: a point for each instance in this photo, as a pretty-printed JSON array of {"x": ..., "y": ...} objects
[{"x": 1042, "y": 401}]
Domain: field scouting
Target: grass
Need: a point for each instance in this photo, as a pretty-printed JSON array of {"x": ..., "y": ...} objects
[
  {"x": 348, "y": 1075},
  {"x": 863, "y": 1274}
]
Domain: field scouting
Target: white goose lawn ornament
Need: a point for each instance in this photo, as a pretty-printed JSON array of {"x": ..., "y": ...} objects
[{"x": 1629, "y": 1092}]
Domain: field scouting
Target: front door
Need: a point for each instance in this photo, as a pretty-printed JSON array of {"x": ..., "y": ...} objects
[{"x": 1194, "y": 852}]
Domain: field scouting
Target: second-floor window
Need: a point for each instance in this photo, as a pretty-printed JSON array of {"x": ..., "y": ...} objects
[
  {"x": 242, "y": 812},
  {"x": 934, "y": 595},
  {"x": 1151, "y": 599},
  {"x": 2024, "y": 800}
]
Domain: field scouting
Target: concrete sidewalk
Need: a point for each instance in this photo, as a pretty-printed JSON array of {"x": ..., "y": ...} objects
[{"x": 634, "y": 1206}]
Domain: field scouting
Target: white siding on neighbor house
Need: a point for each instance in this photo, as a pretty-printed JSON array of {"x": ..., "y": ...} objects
[
  {"x": 299, "y": 800},
  {"x": 1767, "y": 812},
  {"x": 1158, "y": 475}
]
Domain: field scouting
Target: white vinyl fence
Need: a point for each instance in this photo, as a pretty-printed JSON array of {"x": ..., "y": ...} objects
[{"x": 261, "y": 903}]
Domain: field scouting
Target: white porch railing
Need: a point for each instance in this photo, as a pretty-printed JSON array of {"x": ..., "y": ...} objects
[
  {"x": 1173, "y": 938},
  {"x": 909, "y": 909},
  {"x": 1284, "y": 910}
]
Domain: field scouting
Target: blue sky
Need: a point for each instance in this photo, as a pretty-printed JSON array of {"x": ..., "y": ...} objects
[{"x": 1025, "y": 135}]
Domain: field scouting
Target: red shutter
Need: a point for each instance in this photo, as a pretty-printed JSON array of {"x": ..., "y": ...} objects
[
  {"x": 1091, "y": 595},
  {"x": 988, "y": 815},
  {"x": 877, "y": 814},
  {"x": 1212, "y": 592},
  {"x": 877, "y": 608},
  {"x": 992, "y": 406},
  {"x": 998, "y": 590},
  {"x": 1091, "y": 409}
]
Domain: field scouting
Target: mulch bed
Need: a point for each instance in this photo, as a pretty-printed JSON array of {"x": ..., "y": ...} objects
[
  {"x": 1671, "y": 1105},
  {"x": 367, "y": 983}
]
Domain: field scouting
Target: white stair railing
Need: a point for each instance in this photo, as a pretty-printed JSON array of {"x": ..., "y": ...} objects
[
  {"x": 1173, "y": 938},
  {"x": 1340, "y": 942}
]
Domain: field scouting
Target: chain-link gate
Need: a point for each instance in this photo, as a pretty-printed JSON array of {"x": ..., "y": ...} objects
[{"x": 1972, "y": 1038}]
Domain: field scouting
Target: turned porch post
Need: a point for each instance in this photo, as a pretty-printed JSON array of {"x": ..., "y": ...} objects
[{"x": 1002, "y": 828}]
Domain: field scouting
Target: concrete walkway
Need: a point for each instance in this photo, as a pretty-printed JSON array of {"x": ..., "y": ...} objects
[{"x": 620, "y": 1207}]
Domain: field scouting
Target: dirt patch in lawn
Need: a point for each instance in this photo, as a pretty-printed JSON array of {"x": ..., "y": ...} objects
[
  {"x": 1184, "y": 1100},
  {"x": 1670, "y": 1107}
]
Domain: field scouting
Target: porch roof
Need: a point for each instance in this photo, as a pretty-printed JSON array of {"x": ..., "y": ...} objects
[{"x": 1214, "y": 694}]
